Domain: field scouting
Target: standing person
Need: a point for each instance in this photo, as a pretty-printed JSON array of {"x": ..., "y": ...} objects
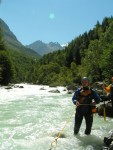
[
  {"x": 84, "y": 98},
  {"x": 109, "y": 89}
]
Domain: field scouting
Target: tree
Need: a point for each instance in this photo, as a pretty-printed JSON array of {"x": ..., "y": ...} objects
[
  {"x": 91, "y": 62},
  {"x": 45, "y": 73},
  {"x": 6, "y": 68},
  {"x": 2, "y": 46},
  {"x": 106, "y": 62}
]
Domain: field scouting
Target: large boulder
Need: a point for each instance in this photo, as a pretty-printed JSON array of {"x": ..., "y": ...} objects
[
  {"x": 108, "y": 109},
  {"x": 54, "y": 91},
  {"x": 72, "y": 87},
  {"x": 98, "y": 87}
]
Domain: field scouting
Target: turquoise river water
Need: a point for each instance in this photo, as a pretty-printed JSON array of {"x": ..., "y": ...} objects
[{"x": 31, "y": 118}]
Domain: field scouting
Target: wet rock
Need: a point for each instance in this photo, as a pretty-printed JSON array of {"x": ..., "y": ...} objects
[
  {"x": 108, "y": 109},
  {"x": 72, "y": 87},
  {"x": 54, "y": 91},
  {"x": 21, "y": 86},
  {"x": 42, "y": 88},
  {"x": 8, "y": 87},
  {"x": 70, "y": 92}
]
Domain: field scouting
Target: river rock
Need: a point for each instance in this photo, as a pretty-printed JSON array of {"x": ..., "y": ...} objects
[
  {"x": 72, "y": 87},
  {"x": 108, "y": 109},
  {"x": 54, "y": 91}
]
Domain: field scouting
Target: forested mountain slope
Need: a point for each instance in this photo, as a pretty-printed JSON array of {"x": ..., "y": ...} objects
[
  {"x": 89, "y": 54},
  {"x": 16, "y": 61},
  {"x": 13, "y": 44}
]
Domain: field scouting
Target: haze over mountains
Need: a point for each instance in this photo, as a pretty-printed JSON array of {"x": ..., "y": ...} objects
[
  {"x": 36, "y": 49},
  {"x": 44, "y": 48}
]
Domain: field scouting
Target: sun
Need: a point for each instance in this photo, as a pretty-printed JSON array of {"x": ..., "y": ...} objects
[{"x": 51, "y": 16}]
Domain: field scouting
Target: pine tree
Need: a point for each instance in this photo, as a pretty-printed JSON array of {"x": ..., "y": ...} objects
[{"x": 2, "y": 46}]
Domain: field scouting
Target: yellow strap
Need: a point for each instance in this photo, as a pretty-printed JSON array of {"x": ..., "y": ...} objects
[{"x": 59, "y": 134}]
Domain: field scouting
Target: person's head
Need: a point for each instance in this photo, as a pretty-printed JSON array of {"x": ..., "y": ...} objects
[{"x": 85, "y": 82}]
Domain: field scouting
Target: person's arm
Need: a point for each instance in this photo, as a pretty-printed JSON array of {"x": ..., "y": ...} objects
[
  {"x": 75, "y": 97},
  {"x": 96, "y": 97},
  {"x": 106, "y": 88}
]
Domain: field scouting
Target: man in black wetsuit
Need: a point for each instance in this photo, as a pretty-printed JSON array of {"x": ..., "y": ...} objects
[{"x": 84, "y": 98}]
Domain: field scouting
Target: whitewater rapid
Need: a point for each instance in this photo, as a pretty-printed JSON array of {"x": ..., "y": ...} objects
[{"x": 31, "y": 117}]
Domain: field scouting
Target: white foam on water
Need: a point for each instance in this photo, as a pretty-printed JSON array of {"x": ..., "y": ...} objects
[{"x": 31, "y": 117}]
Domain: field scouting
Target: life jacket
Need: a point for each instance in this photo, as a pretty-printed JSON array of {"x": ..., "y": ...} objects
[
  {"x": 107, "y": 89},
  {"x": 84, "y": 96},
  {"x": 85, "y": 100}
]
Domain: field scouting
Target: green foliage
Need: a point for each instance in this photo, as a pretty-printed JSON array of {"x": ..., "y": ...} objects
[
  {"x": 86, "y": 55},
  {"x": 107, "y": 54},
  {"x": 46, "y": 72},
  {"x": 55, "y": 57},
  {"x": 90, "y": 54},
  {"x": 16, "y": 61},
  {"x": 91, "y": 62},
  {"x": 23, "y": 67},
  {"x": 12, "y": 44},
  {"x": 2, "y": 46},
  {"x": 6, "y": 67}
]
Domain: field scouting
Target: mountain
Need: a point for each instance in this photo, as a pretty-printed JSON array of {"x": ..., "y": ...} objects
[
  {"x": 12, "y": 44},
  {"x": 43, "y": 48},
  {"x": 65, "y": 45}
]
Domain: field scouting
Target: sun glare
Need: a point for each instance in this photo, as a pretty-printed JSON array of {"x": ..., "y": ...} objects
[{"x": 51, "y": 15}]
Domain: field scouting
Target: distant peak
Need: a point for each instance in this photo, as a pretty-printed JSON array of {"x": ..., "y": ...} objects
[{"x": 64, "y": 45}]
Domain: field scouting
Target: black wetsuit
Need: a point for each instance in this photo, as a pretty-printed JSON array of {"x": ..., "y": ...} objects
[{"x": 84, "y": 97}]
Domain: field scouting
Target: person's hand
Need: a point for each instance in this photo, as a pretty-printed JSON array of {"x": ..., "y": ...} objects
[
  {"x": 77, "y": 103},
  {"x": 93, "y": 103},
  {"x": 103, "y": 86}
]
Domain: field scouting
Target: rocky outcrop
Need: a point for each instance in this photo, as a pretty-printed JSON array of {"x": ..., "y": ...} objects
[
  {"x": 72, "y": 87},
  {"x": 108, "y": 109},
  {"x": 54, "y": 91}
]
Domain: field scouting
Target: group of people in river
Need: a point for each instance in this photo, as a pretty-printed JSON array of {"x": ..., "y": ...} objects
[{"x": 85, "y": 98}]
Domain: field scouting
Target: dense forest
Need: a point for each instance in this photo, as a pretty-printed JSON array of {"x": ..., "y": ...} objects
[
  {"x": 15, "y": 61},
  {"x": 89, "y": 54}
]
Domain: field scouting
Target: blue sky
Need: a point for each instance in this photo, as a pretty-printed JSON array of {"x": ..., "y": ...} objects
[{"x": 53, "y": 20}]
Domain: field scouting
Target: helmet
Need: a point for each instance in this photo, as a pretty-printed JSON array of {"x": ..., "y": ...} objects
[{"x": 84, "y": 78}]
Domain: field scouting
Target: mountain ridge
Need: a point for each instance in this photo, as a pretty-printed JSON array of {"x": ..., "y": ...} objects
[
  {"x": 45, "y": 48},
  {"x": 12, "y": 43},
  {"x": 35, "y": 49}
]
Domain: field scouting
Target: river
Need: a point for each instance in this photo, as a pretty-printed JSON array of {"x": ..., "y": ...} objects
[{"x": 31, "y": 118}]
